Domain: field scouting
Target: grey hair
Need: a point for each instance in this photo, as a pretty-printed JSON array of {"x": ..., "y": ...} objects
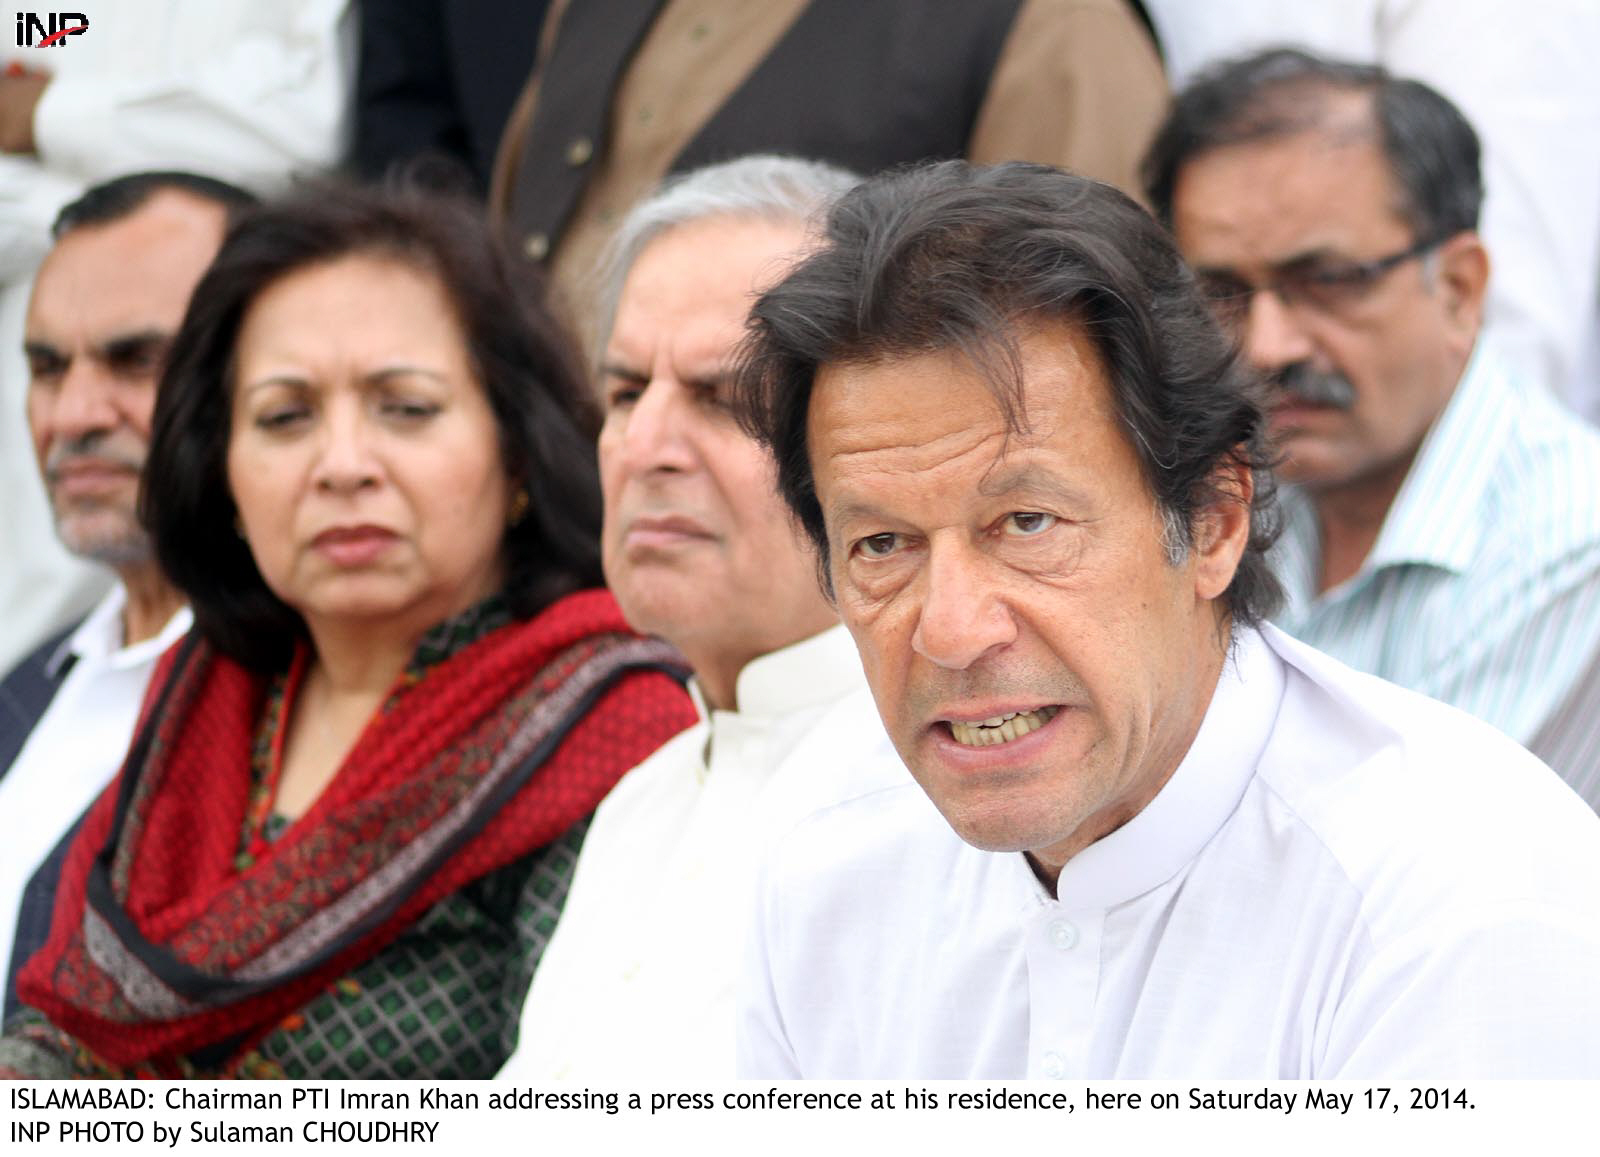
[{"x": 763, "y": 186}]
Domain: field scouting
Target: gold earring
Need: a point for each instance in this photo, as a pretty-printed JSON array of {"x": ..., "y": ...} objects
[{"x": 518, "y": 510}]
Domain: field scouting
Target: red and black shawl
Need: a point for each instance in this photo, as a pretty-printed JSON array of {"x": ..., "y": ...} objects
[{"x": 162, "y": 944}]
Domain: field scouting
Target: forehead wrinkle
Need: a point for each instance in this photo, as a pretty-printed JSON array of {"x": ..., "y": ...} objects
[
  {"x": 867, "y": 501},
  {"x": 691, "y": 355},
  {"x": 944, "y": 448}
]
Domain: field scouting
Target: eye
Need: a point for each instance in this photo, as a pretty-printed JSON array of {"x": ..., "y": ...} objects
[
  {"x": 623, "y": 385},
  {"x": 280, "y": 418},
  {"x": 1330, "y": 286},
  {"x": 622, "y": 396},
  {"x": 1027, "y": 523},
  {"x": 713, "y": 395},
  {"x": 877, "y": 545},
  {"x": 1219, "y": 287},
  {"x": 1337, "y": 275},
  {"x": 46, "y": 367},
  {"x": 409, "y": 410},
  {"x": 140, "y": 360}
]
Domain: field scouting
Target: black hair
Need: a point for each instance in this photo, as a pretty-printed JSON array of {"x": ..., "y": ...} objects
[
  {"x": 526, "y": 362},
  {"x": 950, "y": 256},
  {"x": 123, "y": 196},
  {"x": 1431, "y": 150}
]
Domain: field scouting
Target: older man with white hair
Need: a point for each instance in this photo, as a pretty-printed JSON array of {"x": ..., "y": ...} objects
[{"x": 639, "y": 980}]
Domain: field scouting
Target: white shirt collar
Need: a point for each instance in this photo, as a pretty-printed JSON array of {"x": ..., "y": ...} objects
[
  {"x": 99, "y": 637},
  {"x": 804, "y": 674},
  {"x": 1204, "y": 791}
]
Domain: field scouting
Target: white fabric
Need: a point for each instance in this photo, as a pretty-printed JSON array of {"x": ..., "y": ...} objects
[
  {"x": 1342, "y": 879},
  {"x": 1524, "y": 75},
  {"x": 639, "y": 982},
  {"x": 76, "y": 747},
  {"x": 236, "y": 89}
]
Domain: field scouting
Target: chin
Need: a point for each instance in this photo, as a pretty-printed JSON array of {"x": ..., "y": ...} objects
[
  {"x": 999, "y": 817},
  {"x": 1002, "y": 833},
  {"x": 369, "y": 601},
  {"x": 661, "y": 608}
]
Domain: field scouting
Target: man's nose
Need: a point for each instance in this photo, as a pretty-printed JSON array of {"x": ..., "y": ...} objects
[
  {"x": 85, "y": 402},
  {"x": 963, "y": 616},
  {"x": 658, "y": 435},
  {"x": 1275, "y": 335}
]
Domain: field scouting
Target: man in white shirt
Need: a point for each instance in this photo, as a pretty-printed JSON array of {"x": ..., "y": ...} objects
[
  {"x": 106, "y": 303},
  {"x": 1037, "y": 477},
  {"x": 639, "y": 980}
]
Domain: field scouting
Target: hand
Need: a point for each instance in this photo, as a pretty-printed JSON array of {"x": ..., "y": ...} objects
[{"x": 19, "y": 96}]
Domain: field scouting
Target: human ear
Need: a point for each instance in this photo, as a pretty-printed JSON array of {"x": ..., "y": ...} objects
[
  {"x": 1463, "y": 281},
  {"x": 1222, "y": 527}
]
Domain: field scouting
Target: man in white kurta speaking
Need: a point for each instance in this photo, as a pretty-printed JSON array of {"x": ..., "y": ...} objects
[
  {"x": 1183, "y": 844},
  {"x": 639, "y": 979}
]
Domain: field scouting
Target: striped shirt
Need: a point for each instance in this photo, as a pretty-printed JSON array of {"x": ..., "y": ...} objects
[{"x": 1483, "y": 587}]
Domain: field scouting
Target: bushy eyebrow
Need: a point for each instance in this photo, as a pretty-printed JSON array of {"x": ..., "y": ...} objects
[
  {"x": 125, "y": 346},
  {"x": 1030, "y": 479},
  {"x": 42, "y": 349},
  {"x": 852, "y": 511},
  {"x": 612, "y": 369},
  {"x": 1320, "y": 255},
  {"x": 717, "y": 381},
  {"x": 118, "y": 348}
]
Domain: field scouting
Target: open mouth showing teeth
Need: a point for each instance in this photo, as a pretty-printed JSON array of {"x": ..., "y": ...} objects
[{"x": 1002, "y": 728}]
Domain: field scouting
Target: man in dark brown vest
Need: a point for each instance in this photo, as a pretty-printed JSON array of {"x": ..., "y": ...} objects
[{"x": 628, "y": 91}]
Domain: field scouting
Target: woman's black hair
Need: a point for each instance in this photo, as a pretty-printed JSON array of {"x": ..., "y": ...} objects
[{"x": 527, "y": 364}]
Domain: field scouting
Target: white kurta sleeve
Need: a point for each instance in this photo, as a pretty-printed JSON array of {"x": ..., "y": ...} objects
[
  {"x": 247, "y": 92},
  {"x": 1508, "y": 994}
]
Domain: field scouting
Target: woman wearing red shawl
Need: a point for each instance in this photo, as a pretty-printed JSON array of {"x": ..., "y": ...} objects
[{"x": 344, "y": 830}]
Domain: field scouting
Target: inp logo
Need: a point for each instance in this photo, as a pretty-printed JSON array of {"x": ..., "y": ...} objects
[{"x": 51, "y": 32}]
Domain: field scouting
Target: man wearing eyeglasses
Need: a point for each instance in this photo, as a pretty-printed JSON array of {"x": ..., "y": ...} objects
[{"x": 1443, "y": 522}]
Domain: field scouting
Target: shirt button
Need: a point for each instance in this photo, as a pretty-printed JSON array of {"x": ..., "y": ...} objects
[
  {"x": 1063, "y": 935},
  {"x": 1054, "y": 1066},
  {"x": 537, "y": 246},
  {"x": 579, "y": 151}
]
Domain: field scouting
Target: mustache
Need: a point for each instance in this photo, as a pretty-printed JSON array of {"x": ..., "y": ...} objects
[
  {"x": 98, "y": 446},
  {"x": 1303, "y": 383}
]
